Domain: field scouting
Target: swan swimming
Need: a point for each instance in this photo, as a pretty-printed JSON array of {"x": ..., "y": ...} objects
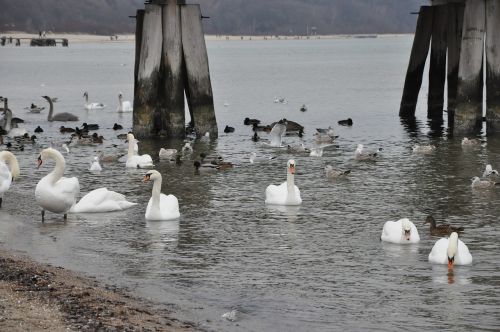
[
  {"x": 92, "y": 106},
  {"x": 160, "y": 206},
  {"x": 9, "y": 126},
  {"x": 101, "y": 200},
  {"x": 402, "y": 231},
  {"x": 124, "y": 106},
  {"x": 59, "y": 116},
  {"x": 95, "y": 166},
  {"x": 451, "y": 251},
  {"x": 54, "y": 192},
  {"x": 9, "y": 171},
  {"x": 133, "y": 159},
  {"x": 286, "y": 193}
]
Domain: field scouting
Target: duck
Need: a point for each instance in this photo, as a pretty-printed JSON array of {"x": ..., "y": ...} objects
[
  {"x": 228, "y": 129},
  {"x": 64, "y": 130},
  {"x": 290, "y": 125},
  {"x": 12, "y": 130},
  {"x": 362, "y": 154},
  {"x": 95, "y": 166},
  {"x": 348, "y": 122},
  {"x": 326, "y": 131},
  {"x": 303, "y": 108},
  {"x": 489, "y": 171},
  {"x": 167, "y": 153},
  {"x": 92, "y": 106},
  {"x": 116, "y": 126},
  {"x": 134, "y": 160},
  {"x": 443, "y": 229},
  {"x": 160, "y": 206},
  {"x": 402, "y": 231},
  {"x": 250, "y": 122},
  {"x": 286, "y": 193},
  {"x": 205, "y": 167},
  {"x": 88, "y": 127},
  {"x": 256, "y": 127},
  {"x": 38, "y": 130},
  {"x": 9, "y": 171},
  {"x": 26, "y": 139},
  {"x": 255, "y": 137},
  {"x": 34, "y": 109},
  {"x": 65, "y": 116},
  {"x": 54, "y": 192},
  {"x": 477, "y": 183},
  {"x": 333, "y": 173},
  {"x": 97, "y": 139},
  {"x": 124, "y": 106},
  {"x": 451, "y": 251},
  {"x": 423, "y": 149},
  {"x": 101, "y": 200}
]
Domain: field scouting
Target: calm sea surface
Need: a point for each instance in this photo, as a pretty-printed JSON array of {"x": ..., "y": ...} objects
[{"x": 317, "y": 267}]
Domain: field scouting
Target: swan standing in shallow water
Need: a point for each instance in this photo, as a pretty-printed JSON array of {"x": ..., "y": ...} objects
[
  {"x": 133, "y": 159},
  {"x": 160, "y": 206},
  {"x": 101, "y": 200},
  {"x": 9, "y": 171},
  {"x": 59, "y": 116},
  {"x": 92, "y": 106},
  {"x": 54, "y": 192},
  {"x": 286, "y": 193},
  {"x": 402, "y": 231},
  {"x": 124, "y": 106},
  {"x": 451, "y": 251}
]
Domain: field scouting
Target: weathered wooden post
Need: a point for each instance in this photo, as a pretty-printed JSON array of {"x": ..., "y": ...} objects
[
  {"x": 492, "y": 66},
  {"x": 414, "y": 73},
  {"x": 468, "y": 113},
  {"x": 138, "y": 44},
  {"x": 455, "y": 23},
  {"x": 437, "y": 68}
]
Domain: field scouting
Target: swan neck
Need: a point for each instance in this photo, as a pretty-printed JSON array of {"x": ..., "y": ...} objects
[
  {"x": 155, "y": 195},
  {"x": 58, "y": 171},
  {"x": 10, "y": 160},
  {"x": 131, "y": 144},
  {"x": 51, "y": 110},
  {"x": 290, "y": 185}
]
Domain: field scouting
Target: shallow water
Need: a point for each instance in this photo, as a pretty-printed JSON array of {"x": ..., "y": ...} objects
[{"x": 320, "y": 266}]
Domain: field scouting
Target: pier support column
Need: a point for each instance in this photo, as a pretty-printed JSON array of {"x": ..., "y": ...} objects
[
  {"x": 437, "y": 68},
  {"x": 414, "y": 73},
  {"x": 493, "y": 66},
  {"x": 198, "y": 85},
  {"x": 455, "y": 23},
  {"x": 138, "y": 43},
  {"x": 468, "y": 113},
  {"x": 146, "y": 122}
]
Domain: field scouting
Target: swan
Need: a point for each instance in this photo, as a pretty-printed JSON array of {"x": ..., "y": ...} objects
[
  {"x": 9, "y": 170},
  {"x": 101, "y": 200},
  {"x": 123, "y": 106},
  {"x": 451, "y": 251},
  {"x": 361, "y": 154},
  {"x": 402, "y": 231},
  {"x": 160, "y": 206},
  {"x": 167, "y": 153},
  {"x": 92, "y": 106},
  {"x": 54, "y": 192},
  {"x": 95, "y": 166},
  {"x": 286, "y": 193},
  {"x": 489, "y": 171},
  {"x": 12, "y": 131},
  {"x": 59, "y": 116},
  {"x": 133, "y": 159}
]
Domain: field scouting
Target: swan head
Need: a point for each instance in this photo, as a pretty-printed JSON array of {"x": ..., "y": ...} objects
[
  {"x": 85, "y": 94},
  {"x": 452, "y": 249},
  {"x": 291, "y": 166},
  {"x": 151, "y": 176},
  {"x": 406, "y": 227},
  {"x": 131, "y": 138},
  {"x": 475, "y": 180},
  {"x": 48, "y": 153},
  {"x": 47, "y": 98}
]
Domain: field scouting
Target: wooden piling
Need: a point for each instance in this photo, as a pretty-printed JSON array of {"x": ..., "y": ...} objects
[
  {"x": 146, "y": 121},
  {"x": 172, "y": 103},
  {"x": 414, "y": 73},
  {"x": 437, "y": 68},
  {"x": 198, "y": 85},
  {"x": 492, "y": 66},
  {"x": 468, "y": 113},
  {"x": 455, "y": 23},
  {"x": 139, "y": 21}
]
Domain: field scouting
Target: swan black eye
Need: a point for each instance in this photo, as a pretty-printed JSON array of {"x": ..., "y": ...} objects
[{"x": 39, "y": 157}]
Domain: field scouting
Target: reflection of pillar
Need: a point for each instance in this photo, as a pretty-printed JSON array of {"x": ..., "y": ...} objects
[
  {"x": 493, "y": 66},
  {"x": 455, "y": 23},
  {"x": 468, "y": 113},
  {"x": 419, "y": 51},
  {"x": 437, "y": 68}
]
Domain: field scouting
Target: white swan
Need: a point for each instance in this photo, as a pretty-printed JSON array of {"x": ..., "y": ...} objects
[
  {"x": 286, "y": 193},
  {"x": 101, "y": 200},
  {"x": 451, "y": 251},
  {"x": 402, "y": 231},
  {"x": 92, "y": 106},
  {"x": 124, "y": 106},
  {"x": 65, "y": 116},
  {"x": 9, "y": 170},
  {"x": 54, "y": 192},
  {"x": 95, "y": 166},
  {"x": 133, "y": 159},
  {"x": 9, "y": 128},
  {"x": 160, "y": 206}
]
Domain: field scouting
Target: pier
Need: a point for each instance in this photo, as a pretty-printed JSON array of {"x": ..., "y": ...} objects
[{"x": 4, "y": 40}]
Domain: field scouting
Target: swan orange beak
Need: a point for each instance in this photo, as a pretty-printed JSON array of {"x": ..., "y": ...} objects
[
  {"x": 146, "y": 178},
  {"x": 292, "y": 169},
  {"x": 450, "y": 263}
]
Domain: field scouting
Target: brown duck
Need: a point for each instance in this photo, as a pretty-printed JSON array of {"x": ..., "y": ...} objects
[{"x": 443, "y": 229}]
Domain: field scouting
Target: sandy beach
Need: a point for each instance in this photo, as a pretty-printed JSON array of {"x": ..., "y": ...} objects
[{"x": 36, "y": 297}]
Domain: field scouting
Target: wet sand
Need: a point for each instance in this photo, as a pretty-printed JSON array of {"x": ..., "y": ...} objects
[{"x": 36, "y": 297}]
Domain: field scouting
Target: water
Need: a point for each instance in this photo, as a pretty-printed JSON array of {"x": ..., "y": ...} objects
[{"x": 317, "y": 267}]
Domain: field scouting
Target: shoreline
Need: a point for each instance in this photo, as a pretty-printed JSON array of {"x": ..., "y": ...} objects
[
  {"x": 36, "y": 296},
  {"x": 88, "y": 38}
]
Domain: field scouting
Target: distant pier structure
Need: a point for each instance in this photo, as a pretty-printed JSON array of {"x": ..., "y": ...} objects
[
  {"x": 34, "y": 41},
  {"x": 171, "y": 61},
  {"x": 462, "y": 35}
]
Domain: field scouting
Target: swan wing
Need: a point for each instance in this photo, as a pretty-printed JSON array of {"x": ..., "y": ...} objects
[
  {"x": 463, "y": 256},
  {"x": 438, "y": 254},
  {"x": 5, "y": 178},
  {"x": 276, "y": 194},
  {"x": 168, "y": 210},
  {"x": 101, "y": 200},
  {"x": 392, "y": 231}
]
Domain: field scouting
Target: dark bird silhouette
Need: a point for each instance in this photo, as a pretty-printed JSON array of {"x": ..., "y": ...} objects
[{"x": 443, "y": 229}]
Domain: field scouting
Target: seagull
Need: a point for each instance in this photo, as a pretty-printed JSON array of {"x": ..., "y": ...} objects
[
  {"x": 362, "y": 154},
  {"x": 477, "y": 183},
  {"x": 318, "y": 151},
  {"x": 489, "y": 171},
  {"x": 277, "y": 133},
  {"x": 471, "y": 142},
  {"x": 254, "y": 159},
  {"x": 423, "y": 149},
  {"x": 333, "y": 173}
]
